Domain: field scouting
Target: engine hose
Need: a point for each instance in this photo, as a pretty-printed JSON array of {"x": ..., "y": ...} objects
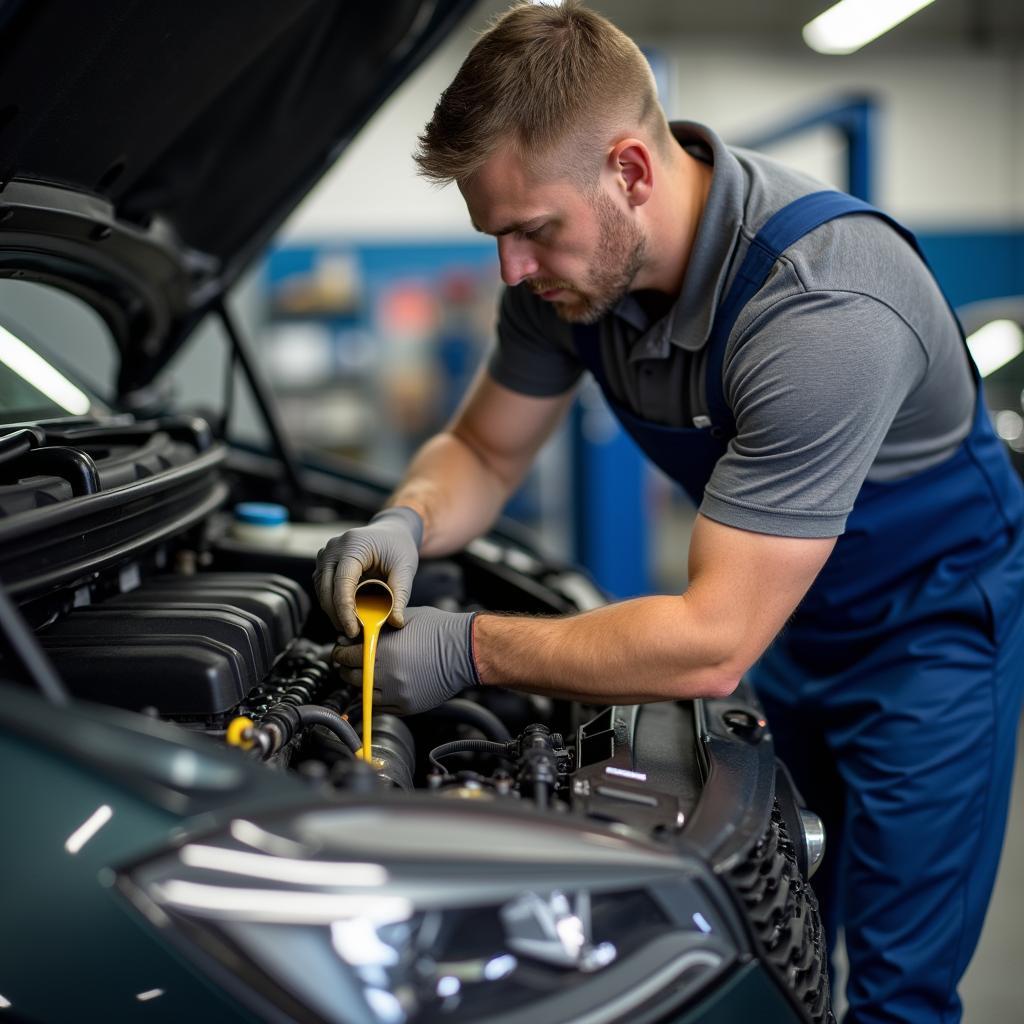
[
  {"x": 315, "y": 714},
  {"x": 469, "y": 746},
  {"x": 474, "y": 714},
  {"x": 284, "y": 720}
]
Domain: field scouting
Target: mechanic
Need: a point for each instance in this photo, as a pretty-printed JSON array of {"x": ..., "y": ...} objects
[{"x": 783, "y": 352}]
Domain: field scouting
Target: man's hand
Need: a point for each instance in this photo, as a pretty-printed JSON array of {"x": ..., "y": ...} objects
[
  {"x": 428, "y": 662},
  {"x": 387, "y": 546}
]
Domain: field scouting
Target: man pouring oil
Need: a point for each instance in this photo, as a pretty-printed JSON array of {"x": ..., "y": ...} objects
[{"x": 782, "y": 351}]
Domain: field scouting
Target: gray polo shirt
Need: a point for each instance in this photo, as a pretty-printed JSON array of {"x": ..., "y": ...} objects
[{"x": 847, "y": 365}]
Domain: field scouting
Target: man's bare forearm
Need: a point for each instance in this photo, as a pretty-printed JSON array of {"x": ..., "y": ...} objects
[
  {"x": 743, "y": 587},
  {"x": 456, "y": 494},
  {"x": 646, "y": 649}
]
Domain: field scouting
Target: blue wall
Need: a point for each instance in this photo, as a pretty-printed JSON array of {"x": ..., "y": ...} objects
[
  {"x": 975, "y": 265},
  {"x": 382, "y": 262}
]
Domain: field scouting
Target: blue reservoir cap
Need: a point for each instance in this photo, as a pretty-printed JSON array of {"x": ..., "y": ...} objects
[{"x": 260, "y": 513}]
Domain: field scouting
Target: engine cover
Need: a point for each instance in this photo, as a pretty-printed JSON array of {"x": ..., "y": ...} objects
[{"x": 189, "y": 646}]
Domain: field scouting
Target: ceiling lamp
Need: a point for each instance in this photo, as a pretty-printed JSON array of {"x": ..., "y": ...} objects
[{"x": 851, "y": 24}]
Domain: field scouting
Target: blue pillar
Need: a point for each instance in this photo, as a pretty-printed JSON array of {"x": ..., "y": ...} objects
[
  {"x": 609, "y": 498},
  {"x": 852, "y": 116},
  {"x": 859, "y": 129}
]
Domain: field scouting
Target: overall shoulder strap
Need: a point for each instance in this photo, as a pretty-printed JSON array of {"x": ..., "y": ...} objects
[{"x": 778, "y": 233}]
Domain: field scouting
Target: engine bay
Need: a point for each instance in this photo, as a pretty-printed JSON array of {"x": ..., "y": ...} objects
[
  {"x": 207, "y": 649},
  {"x": 146, "y": 592}
]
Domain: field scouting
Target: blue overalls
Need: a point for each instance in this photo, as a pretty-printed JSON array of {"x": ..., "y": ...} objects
[{"x": 894, "y": 692}]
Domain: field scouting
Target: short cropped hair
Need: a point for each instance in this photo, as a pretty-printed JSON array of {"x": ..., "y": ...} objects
[{"x": 541, "y": 78}]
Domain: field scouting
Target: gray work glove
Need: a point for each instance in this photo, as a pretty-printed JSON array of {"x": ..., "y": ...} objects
[
  {"x": 428, "y": 662},
  {"x": 387, "y": 547}
]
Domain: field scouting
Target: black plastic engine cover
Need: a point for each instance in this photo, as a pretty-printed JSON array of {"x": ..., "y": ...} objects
[
  {"x": 281, "y": 601},
  {"x": 184, "y": 677},
  {"x": 231, "y": 627},
  {"x": 190, "y": 646}
]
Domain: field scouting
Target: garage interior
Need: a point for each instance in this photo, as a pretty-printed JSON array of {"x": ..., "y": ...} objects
[{"x": 375, "y": 302}]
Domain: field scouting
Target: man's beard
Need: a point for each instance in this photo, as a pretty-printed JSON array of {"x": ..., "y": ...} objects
[{"x": 620, "y": 254}]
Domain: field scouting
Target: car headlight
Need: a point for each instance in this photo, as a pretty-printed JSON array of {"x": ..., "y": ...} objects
[{"x": 400, "y": 912}]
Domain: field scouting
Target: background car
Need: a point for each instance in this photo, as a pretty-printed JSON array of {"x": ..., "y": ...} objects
[{"x": 507, "y": 857}]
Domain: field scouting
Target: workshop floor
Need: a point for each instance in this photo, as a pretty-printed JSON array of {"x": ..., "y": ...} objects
[{"x": 993, "y": 988}]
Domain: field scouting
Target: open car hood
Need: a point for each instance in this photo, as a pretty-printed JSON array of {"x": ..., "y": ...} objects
[{"x": 150, "y": 148}]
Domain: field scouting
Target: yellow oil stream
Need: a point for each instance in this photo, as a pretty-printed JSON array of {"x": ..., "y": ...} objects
[{"x": 374, "y": 602}]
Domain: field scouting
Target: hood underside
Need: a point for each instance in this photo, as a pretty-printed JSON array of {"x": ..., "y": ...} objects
[{"x": 203, "y": 123}]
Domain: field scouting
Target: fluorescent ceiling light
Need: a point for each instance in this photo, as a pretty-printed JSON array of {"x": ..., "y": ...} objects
[
  {"x": 851, "y": 24},
  {"x": 15, "y": 354},
  {"x": 995, "y": 344}
]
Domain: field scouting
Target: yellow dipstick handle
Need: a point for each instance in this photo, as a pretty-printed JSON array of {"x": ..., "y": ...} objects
[
  {"x": 240, "y": 733},
  {"x": 374, "y": 602}
]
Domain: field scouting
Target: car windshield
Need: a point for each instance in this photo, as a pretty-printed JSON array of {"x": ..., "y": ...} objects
[
  {"x": 31, "y": 388},
  {"x": 56, "y": 354}
]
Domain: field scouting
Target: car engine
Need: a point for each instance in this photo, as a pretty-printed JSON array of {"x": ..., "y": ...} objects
[
  {"x": 206, "y": 648},
  {"x": 160, "y": 602}
]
